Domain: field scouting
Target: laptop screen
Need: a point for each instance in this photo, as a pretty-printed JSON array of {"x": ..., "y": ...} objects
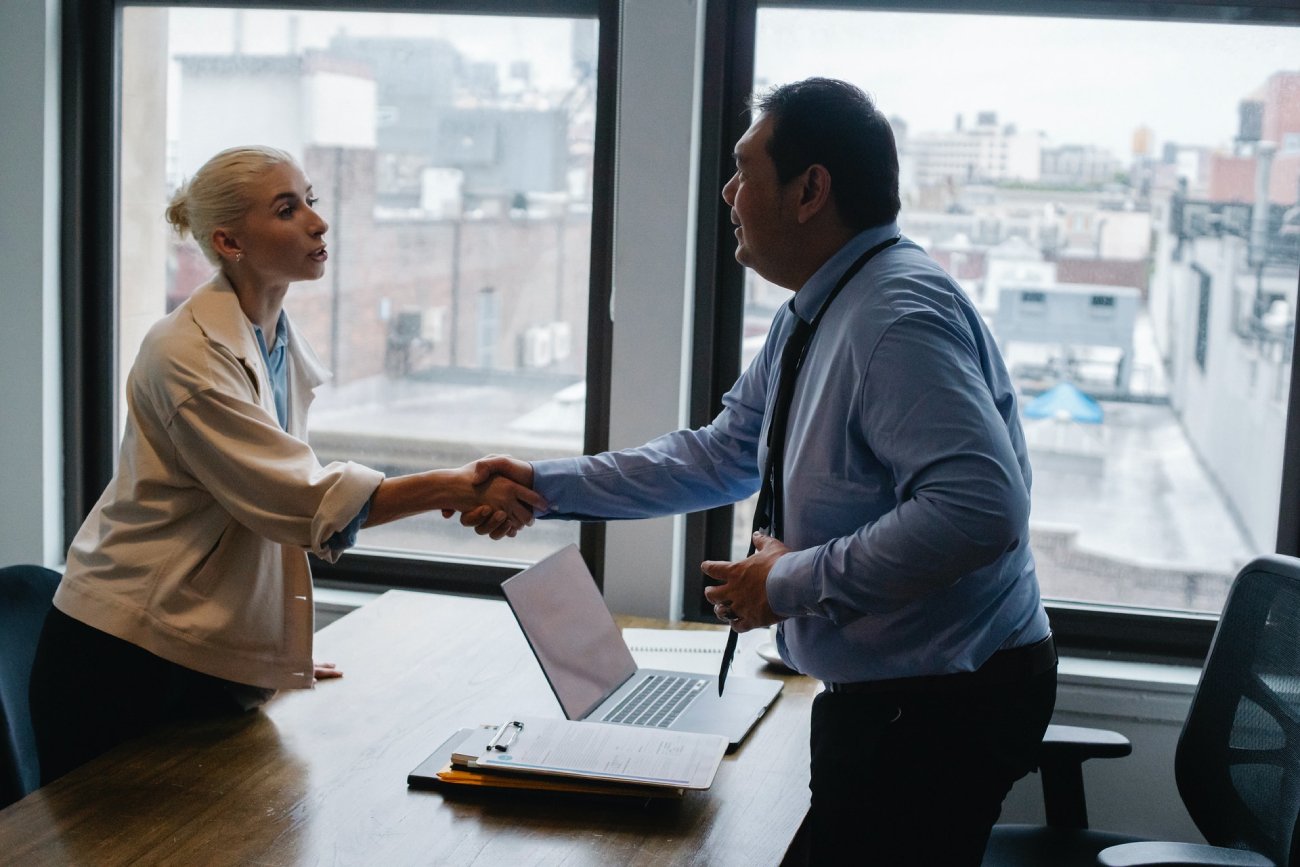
[{"x": 571, "y": 631}]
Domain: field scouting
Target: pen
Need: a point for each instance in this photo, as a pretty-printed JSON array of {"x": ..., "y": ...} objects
[{"x": 497, "y": 744}]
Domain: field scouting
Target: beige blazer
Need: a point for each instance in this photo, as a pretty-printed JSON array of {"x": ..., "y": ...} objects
[{"x": 196, "y": 551}]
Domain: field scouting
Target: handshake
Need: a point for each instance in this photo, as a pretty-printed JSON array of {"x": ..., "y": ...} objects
[{"x": 500, "y": 497}]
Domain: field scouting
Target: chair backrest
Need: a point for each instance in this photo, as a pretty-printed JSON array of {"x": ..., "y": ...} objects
[
  {"x": 1238, "y": 758},
  {"x": 26, "y": 593}
]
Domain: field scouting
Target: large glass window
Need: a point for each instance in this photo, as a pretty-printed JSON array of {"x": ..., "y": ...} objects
[
  {"x": 453, "y": 158},
  {"x": 1121, "y": 200}
]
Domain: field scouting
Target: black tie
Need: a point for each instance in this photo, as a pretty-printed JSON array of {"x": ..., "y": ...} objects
[{"x": 768, "y": 512}]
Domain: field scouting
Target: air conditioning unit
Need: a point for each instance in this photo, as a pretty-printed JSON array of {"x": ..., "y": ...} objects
[
  {"x": 538, "y": 346},
  {"x": 433, "y": 325},
  {"x": 561, "y": 340}
]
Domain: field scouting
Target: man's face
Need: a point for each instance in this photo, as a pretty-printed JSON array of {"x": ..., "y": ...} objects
[{"x": 758, "y": 205}]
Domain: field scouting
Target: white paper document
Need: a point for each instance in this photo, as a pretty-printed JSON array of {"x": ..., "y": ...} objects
[
  {"x": 601, "y": 751},
  {"x": 697, "y": 651}
]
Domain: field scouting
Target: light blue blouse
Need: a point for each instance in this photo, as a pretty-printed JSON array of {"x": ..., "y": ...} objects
[{"x": 277, "y": 370}]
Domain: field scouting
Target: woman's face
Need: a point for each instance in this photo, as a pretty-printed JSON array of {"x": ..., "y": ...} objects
[{"x": 282, "y": 237}]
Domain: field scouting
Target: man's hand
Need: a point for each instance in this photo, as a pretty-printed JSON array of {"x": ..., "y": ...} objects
[
  {"x": 741, "y": 598},
  {"x": 503, "y": 486},
  {"x": 517, "y": 471}
]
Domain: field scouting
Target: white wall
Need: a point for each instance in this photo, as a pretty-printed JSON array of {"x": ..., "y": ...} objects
[
  {"x": 1234, "y": 411},
  {"x": 142, "y": 249},
  {"x": 1124, "y": 235},
  {"x": 267, "y": 110},
  {"x": 331, "y": 105},
  {"x": 30, "y": 433},
  {"x": 1024, "y": 156},
  {"x": 654, "y": 228}
]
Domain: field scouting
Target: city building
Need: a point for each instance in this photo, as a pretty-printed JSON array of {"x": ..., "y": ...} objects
[
  {"x": 1074, "y": 165},
  {"x": 983, "y": 152},
  {"x": 442, "y": 181}
]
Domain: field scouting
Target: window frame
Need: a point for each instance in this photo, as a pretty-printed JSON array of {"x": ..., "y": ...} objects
[
  {"x": 90, "y": 117},
  {"x": 729, "y": 40}
]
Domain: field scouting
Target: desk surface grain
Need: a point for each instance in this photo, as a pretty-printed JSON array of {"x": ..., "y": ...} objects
[{"x": 319, "y": 776}]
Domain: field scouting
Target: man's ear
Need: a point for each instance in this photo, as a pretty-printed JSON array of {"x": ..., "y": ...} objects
[
  {"x": 815, "y": 192},
  {"x": 226, "y": 245}
]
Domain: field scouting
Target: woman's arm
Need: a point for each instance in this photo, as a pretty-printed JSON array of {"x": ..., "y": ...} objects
[{"x": 500, "y": 505}]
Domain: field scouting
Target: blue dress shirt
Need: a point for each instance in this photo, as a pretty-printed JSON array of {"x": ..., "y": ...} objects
[
  {"x": 277, "y": 371},
  {"x": 906, "y": 477}
]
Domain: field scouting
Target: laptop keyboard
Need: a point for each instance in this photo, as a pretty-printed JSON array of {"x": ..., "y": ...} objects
[{"x": 657, "y": 701}]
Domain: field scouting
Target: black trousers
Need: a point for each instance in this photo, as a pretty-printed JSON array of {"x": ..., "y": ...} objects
[
  {"x": 916, "y": 776},
  {"x": 91, "y": 691}
]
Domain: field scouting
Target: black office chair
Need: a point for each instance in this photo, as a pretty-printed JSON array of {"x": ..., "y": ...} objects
[
  {"x": 1237, "y": 764},
  {"x": 26, "y": 593}
]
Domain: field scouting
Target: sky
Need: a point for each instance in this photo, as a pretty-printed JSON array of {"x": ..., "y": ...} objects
[
  {"x": 545, "y": 42},
  {"x": 1080, "y": 81}
]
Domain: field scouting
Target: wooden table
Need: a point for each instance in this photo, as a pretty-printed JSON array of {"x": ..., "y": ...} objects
[{"x": 319, "y": 776}]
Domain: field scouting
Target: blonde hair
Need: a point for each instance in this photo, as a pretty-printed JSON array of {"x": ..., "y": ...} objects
[{"x": 217, "y": 195}]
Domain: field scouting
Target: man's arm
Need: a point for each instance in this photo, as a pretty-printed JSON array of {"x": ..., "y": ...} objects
[
  {"x": 963, "y": 498},
  {"x": 683, "y": 471}
]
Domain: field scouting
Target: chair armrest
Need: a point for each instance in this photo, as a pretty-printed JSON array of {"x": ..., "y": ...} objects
[
  {"x": 1074, "y": 743},
  {"x": 1178, "y": 855},
  {"x": 1060, "y": 761}
]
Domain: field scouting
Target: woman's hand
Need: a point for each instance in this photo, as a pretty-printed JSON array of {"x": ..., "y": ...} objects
[
  {"x": 324, "y": 671},
  {"x": 504, "y": 486},
  {"x": 494, "y": 505}
]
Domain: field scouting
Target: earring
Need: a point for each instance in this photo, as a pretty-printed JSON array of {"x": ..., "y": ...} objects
[{"x": 239, "y": 257}]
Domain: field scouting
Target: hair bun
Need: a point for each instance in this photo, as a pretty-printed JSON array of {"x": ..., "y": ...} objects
[{"x": 178, "y": 210}]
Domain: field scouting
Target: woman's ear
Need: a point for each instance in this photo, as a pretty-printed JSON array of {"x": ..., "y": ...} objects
[{"x": 226, "y": 245}]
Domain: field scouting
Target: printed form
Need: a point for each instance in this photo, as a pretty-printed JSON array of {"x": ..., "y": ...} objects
[{"x": 602, "y": 751}]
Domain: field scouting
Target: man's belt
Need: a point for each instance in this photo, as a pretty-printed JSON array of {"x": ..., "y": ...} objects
[{"x": 1014, "y": 665}]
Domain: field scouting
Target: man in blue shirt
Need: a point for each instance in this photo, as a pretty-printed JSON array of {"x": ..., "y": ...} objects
[{"x": 900, "y": 573}]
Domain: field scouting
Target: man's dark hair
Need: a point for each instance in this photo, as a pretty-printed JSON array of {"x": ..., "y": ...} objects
[{"x": 834, "y": 124}]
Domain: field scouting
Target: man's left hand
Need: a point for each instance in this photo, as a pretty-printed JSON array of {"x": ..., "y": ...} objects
[{"x": 741, "y": 598}]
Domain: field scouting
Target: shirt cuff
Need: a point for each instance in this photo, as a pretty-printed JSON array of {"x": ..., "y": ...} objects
[
  {"x": 791, "y": 591},
  {"x": 556, "y": 479},
  {"x": 347, "y": 537},
  {"x": 352, "y": 488}
]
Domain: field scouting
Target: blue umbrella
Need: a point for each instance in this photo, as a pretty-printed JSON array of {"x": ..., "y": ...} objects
[{"x": 1067, "y": 402}]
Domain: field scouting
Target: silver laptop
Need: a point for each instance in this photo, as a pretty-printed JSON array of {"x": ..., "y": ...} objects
[{"x": 591, "y": 670}]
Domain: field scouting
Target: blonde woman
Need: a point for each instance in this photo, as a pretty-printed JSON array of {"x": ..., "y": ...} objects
[{"x": 187, "y": 590}]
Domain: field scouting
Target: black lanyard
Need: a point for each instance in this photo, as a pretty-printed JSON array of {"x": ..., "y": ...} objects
[
  {"x": 766, "y": 517},
  {"x": 767, "y": 514}
]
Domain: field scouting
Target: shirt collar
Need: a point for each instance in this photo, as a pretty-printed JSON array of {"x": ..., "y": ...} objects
[
  {"x": 281, "y": 336},
  {"x": 812, "y": 294}
]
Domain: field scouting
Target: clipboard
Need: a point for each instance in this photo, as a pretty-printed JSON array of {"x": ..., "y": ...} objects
[
  {"x": 601, "y": 752},
  {"x": 439, "y": 771}
]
